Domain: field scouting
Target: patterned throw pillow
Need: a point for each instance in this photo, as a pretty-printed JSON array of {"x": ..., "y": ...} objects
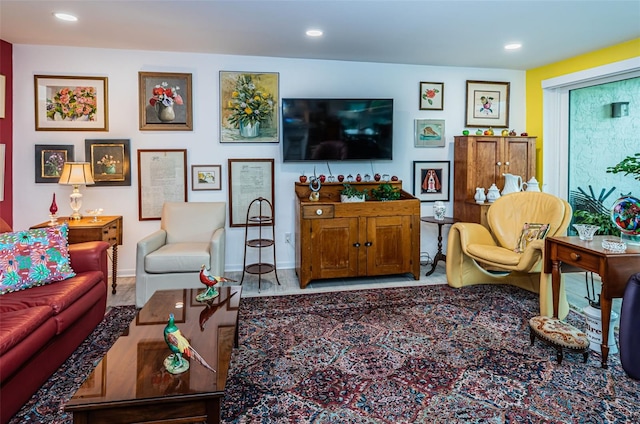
[
  {"x": 33, "y": 258},
  {"x": 529, "y": 233}
]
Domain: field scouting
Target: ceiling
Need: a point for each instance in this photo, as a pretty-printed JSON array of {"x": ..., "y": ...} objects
[{"x": 421, "y": 32}]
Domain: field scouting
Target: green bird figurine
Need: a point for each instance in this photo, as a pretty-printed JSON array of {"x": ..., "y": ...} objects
[{"x": 179, "y": 345}]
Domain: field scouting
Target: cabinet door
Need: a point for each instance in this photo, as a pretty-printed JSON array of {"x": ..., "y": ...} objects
[
  {"x": 486, "y": 167},
  {"x": 520, "y": 157},
  {"x": 334, "y": 248},
  {"x": 388, "y": 245}
]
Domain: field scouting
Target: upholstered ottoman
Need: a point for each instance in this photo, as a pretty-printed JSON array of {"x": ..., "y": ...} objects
[{"x": 560, "y": 335}]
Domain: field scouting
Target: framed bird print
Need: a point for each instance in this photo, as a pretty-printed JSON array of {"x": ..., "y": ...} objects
[{"x": 431, "y": 180}]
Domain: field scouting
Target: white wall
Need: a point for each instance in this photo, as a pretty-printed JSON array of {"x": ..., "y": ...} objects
[{"x": 298, "y": 78}]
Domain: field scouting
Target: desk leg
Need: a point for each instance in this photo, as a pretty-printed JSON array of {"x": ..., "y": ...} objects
[
  {"x": 114, "y": 269},
  {"x": 555, "y": 286},
  {"x": 605, "y": 314},
  {"x": 439, "y": 255}
]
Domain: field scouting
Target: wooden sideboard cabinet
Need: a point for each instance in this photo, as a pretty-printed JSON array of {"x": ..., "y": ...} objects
[
  {"x": 337, "y": 240},
  {"x": 480, "y": 161}
]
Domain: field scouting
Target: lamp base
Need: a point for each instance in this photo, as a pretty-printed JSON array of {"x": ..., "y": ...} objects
[{"x": 75, "y": 216}]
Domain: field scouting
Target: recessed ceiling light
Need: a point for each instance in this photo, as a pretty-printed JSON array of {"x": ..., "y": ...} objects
[
  {"x": 512, "y": 46},
  {"x": 65, "y": 17},
  {"x": 314, "y": 33}
]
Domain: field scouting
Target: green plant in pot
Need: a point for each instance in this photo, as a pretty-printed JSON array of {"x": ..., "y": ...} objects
[
  {"x": 629, "y": 165},
  {"x": 351, "y": 194},
  {"x": 386, "y": 191}
]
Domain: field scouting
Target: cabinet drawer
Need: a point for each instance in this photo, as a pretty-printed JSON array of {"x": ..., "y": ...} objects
[
  {"x": 578, "y": 258},
  {"x": 110, "y": 234},
  {"x": 317, "y": 211}
]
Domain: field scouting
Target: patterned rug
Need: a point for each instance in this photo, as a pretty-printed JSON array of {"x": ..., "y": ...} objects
[
  {"x": 47, "y": 405},
  {"x": 416, "y": 355}
]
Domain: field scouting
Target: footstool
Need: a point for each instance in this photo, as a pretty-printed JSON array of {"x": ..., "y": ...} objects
[{"x": 560, "y": 335}]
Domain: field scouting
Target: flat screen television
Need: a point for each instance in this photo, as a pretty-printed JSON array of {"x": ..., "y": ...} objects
[{"x": 337, "y": 129}]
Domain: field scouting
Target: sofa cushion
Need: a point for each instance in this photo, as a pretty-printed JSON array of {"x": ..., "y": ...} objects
[
  {"x": 177, "y": 257},
  {"x": 495, "y": 254},
  {"x": 35, "y": 257},
  {"x": 17, "y": 325},
  {"x": 530, "y": 232}
]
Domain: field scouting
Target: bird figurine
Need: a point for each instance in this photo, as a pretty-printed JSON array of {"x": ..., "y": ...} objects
[
  {"x": 210, "y": 281},
  {"x": 179, "y": 345}
]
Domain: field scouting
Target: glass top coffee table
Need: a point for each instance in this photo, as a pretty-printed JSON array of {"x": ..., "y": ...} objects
[{"x": 130, "y": 384}]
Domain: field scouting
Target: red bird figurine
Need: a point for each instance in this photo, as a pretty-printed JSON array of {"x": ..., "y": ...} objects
[{"x": 210, "y": 281}]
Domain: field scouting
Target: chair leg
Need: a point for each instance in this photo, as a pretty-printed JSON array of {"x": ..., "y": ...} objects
[
  {"x": 559, "y": 355},
  {"x": 532, "y": 335},
  {"x": 585, "y": 355}
]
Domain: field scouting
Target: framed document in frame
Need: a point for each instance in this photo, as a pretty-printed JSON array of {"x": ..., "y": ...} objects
[{"x": 248, "y": 180}]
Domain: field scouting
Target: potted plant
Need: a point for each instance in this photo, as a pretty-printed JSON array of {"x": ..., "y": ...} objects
[
  {"x": 386, "y": 191},
  {"x": 628, "y": 165},
  {"x": 352, "y": 194}
]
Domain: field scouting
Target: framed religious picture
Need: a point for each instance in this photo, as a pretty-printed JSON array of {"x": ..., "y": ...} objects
[
  {"x": 431, "y": 96},
  {"x": 165, "y": 102},
  {"x": 487, "y": 104},
  {"x": 249, "y": 107},
  {"x": 49, "y": 161},
  {"x": 69, "y": 103},
  {"x": 110, "y": 161},
  {"x": 431, "y": 180}
]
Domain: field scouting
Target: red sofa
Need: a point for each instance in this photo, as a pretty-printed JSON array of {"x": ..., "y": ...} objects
[{"x": 40, "y": 327}]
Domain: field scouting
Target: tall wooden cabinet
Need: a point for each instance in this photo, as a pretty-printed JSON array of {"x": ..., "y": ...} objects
[
  {"x": 480, "y": 161},
  {"x": 337, "y": 240}
]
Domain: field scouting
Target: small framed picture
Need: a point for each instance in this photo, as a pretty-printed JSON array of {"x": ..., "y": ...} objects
[
  {"x": 431, "y": 96},
  {"x": 165, "y": 101},
  {"x": 206, "y": 177},
  {"x": 431, "y": 180},
  {"x": 429, "y": 133},
  {"x": 49, "y": 161},
  {"x": 68, "y": 103},
  {"x": 110, "y": 161},
  {"x": 487, "y": 104}
]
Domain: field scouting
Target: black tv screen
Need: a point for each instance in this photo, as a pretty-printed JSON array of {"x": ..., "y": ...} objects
[{"x": 337, "y": 129}]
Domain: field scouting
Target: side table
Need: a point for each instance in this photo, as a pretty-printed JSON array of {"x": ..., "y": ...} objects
[
  {"x": 439, "y": 255},
  {"x": 105, "y": 228}
]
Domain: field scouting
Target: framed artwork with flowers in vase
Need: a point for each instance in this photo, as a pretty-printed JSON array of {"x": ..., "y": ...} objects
[
  {"x": 110, "y": 161},
  {"x": 165, "y": 101},
  {"x": 249, "y": 107}
]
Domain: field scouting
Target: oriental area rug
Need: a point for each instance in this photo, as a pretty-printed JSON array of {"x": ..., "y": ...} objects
[{"x": 428, "y": 354}]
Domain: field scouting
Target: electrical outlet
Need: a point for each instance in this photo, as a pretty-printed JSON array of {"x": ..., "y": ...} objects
[{"x": 287, "y": 238}]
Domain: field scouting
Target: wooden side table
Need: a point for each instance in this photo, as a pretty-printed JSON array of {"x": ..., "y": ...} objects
[
  {"x": 105, "y": 228},
  {"x": 439, "y": 255}
]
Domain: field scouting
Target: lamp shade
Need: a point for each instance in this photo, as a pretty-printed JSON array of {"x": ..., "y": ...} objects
[{"x": 76, "y": 173}]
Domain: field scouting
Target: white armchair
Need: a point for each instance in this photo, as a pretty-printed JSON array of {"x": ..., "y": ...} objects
[{"x": 191, "y": 234}]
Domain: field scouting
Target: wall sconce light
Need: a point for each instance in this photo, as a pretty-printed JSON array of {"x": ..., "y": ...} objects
[
  {"x": 619, "y": 109},
  {"x": 76, "y": 174}
]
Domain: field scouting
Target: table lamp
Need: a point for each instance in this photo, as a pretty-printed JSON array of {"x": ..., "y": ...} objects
[{"x": 76, "y": 174}]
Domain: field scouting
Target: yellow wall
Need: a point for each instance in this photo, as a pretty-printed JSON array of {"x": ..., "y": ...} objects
[{"x": 623, "y": 51}]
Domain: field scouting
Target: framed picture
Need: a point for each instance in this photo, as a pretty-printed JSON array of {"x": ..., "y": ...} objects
[
  {"x": 206, "y": 177},
  {"x": 49, "y": 160},
  {"x": 110, "y": 161},
  {"x": 96, "y": 384},
  {"x": 66, "y": 103},
  {"x": 429, "y": 133},
  {"x": 162, "y": 177},
  {"x": 487, "y": 104},
  {"x": 248, "y": 180},
  {"x": 165, "y": 101},
  {"x": 249, "y": 107},
  {"x": 431, "y": 180},
  {"x": 431, "y": 96}
]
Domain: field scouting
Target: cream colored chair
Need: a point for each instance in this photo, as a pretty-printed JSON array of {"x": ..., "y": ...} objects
[
  {"x": 470, "y": 245},
  {"x": 191, "y": 234}
]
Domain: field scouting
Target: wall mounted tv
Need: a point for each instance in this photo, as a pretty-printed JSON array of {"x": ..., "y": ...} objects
[{"x": 337, "y": 129}]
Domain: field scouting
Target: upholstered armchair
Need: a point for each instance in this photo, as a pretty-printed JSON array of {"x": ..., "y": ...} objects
[
  {"x": 502, "y": 253},
  {"x": 191, "y": 234}
]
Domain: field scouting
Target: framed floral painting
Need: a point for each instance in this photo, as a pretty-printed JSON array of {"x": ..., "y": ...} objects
[
  {"x": 431, "y": 96},
  {"x": 49, "y": 161},
  {"x": 66, "y": 103},
  {"x": 206, "y": 177},
  {"x": 249, "y": 107},
  {"x": 110, "y": 161},
  {"x": 165, "y": 101}
]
